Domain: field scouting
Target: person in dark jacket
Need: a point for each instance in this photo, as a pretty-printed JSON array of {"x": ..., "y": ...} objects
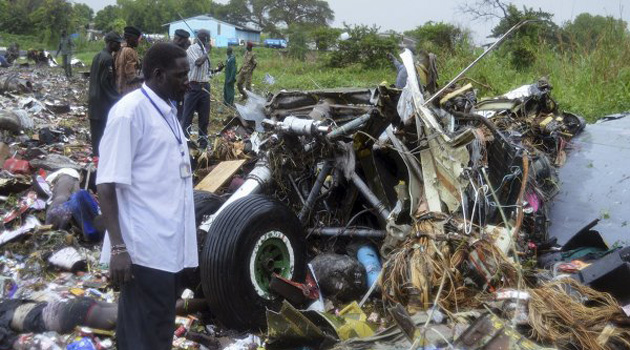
[{"x": 102, "y": 92}]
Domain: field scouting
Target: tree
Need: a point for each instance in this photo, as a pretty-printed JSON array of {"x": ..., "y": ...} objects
[
  {"x": 365, "y": 47},
  {"x": 16, "y": 17},
  {"x": 51, "y": 18},
  {"x": 271, "y": 15},
  {"x": 440, "y": 34},
  {"x": 523, "y": 44},
  {"x": 189, "y": 8},
  {"x": 325, "y": 38},
  {"x": 313, "y": 12},
  {"x": 586, "y": 30},
  {"x": 298, "y": 37},
  {"x": 106, "y": 18},
  {"x": 151, "y": 15},
  {"x": 83, "y": 14},
  {"x": 485, "y": 9}
]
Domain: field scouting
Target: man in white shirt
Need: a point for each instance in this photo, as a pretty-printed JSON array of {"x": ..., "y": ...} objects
[
  {"x": 198, "y": 97},
  {"x": 145, "y": 190}
]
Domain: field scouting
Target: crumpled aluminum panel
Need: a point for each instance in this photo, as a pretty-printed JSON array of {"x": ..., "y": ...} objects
[{"x": 595, "y": 183}]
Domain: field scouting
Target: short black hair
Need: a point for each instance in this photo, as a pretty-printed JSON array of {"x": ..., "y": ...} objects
[{"x": 161, "y": 55}]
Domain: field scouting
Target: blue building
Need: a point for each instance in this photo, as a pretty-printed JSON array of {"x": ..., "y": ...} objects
[{"x": 221, "y": 32}]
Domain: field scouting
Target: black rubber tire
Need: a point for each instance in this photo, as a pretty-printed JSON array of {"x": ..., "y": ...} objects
[
  {"x": 206, "y": 203},
  {"x": 225, "y": 260}
]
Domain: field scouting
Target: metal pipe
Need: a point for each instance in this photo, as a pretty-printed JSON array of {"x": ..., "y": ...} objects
[
  {"x": 342, "y": 231},
  {"x": 460, "y": 116},
  {"x": 348, "y": 127},
  {"x": 312, "y": 196},
  {"x": 370, "y": 196},
  {"x": 404, "y": 152},
  {"x": 297, "y": 190},
  {"x": 257, "y": 178},
  {"x": 496, "y": 43}
]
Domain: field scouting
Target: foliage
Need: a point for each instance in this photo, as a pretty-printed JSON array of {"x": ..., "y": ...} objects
[
  {"x": 45, "y": 18},
  {"x": 586, "y": 31},
  {"x": 325, "y": 38},
  {"x": 53, "y": 17},
  {"x": 106, "y": 18},
  {"x": 442, "y": 35},
  {"x": 15, "y": 16},
  {"x": 365, "y": 47},
  {"x": 271, "y": 15},
  {"x": 521, "y": 47},
  {"x": 151, "y": 15},
  {"x": 26, "y": 42},
  {"x": 83, "y": 14},
  {"x": 297, "y": 41}
]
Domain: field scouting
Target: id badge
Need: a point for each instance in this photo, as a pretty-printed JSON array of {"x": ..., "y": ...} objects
[{"x": 184, "y": 170}]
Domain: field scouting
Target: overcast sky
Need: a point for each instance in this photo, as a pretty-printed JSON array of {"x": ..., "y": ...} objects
[{"x": 401, "y": 15}]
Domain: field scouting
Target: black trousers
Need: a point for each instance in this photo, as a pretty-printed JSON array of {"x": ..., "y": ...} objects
[
  {"x": 97, "y": 128},
  {"x": 146, "y": 310},
  {"x": 197, "y": 100},
  {"x": 67, "y": 67}
]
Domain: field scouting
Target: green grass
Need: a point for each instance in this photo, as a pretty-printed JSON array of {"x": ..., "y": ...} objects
[{"x": 592, "y": 83}]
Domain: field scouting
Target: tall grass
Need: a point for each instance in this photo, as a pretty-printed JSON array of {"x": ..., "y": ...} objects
[{"x": 591, "y": 81}]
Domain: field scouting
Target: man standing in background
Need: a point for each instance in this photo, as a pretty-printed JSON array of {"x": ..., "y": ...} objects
[
  {"x": 197, "y": 98},
  {"x": 65, "y": 47},
  {"x": 102, "y": 92},
  {"x": 181, "y": 39},
  {"x": 247, "y": 70},
  {"x": 230, "y": 78},
  {"x": 127, "y": 64}
]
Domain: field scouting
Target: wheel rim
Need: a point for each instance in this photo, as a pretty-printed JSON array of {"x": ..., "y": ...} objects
[{"x": 272, "y": 253}]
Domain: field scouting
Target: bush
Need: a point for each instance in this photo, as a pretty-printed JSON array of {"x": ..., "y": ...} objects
[
  {"x": 365, "y": 47},
  {"x": 440, "y": 35},
  {"x": 298, "y": 46},
  {"x": 325, "y": 38}
]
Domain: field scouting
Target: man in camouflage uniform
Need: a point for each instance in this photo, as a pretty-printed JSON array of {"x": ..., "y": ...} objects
[{"x": 247, "y": 70}]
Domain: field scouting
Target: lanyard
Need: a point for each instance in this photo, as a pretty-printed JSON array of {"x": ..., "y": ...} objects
[{"x": 175, "y": 133}]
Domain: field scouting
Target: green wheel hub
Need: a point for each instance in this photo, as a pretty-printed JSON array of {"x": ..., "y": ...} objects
[{"x": 272, "y": 254}]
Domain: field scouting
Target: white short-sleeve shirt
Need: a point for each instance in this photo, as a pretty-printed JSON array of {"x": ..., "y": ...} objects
[{"x": 141, "y": 155}]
